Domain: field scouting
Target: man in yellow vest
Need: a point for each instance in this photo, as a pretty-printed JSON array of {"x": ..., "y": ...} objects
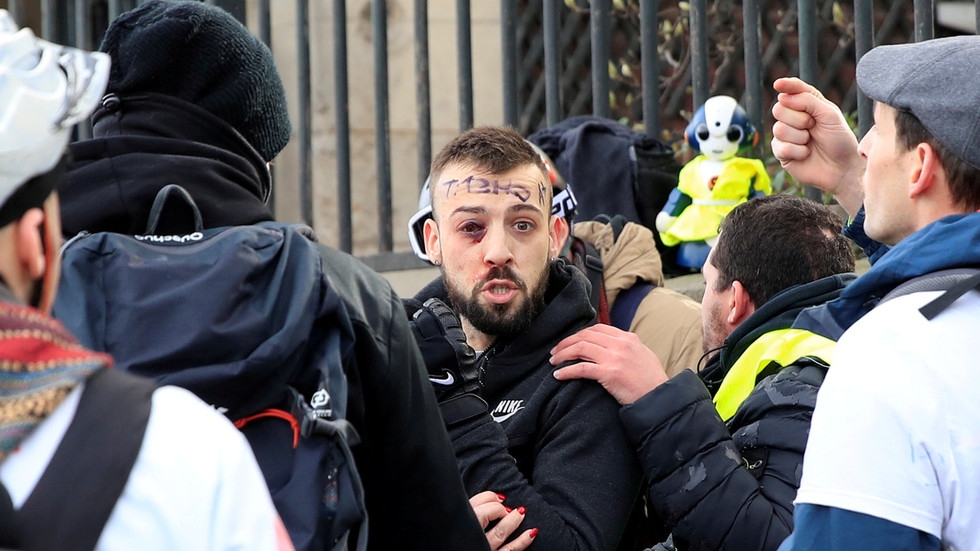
[{"x": 722, "y": 447}]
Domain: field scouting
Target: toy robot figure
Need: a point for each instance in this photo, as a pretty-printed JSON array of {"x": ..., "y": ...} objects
[{"x": 714, "y": 182}]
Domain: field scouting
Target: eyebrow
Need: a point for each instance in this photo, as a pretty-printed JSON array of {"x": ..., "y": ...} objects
[{"x": 482, "y": 210}]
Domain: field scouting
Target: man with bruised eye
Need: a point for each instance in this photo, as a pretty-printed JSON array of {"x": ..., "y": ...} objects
[{"x": 557, "y": 449}]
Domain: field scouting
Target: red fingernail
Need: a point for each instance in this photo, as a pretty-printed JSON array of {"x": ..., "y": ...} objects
[
  {"x": 521, "y": 510},
  {"x": 508, "y": 509},
  {"x": 501, "y": 497},
  {"x": 534, "y": 532}
]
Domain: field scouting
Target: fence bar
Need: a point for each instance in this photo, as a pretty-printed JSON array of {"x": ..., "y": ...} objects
[
  {"x": 925, "y": 27},
  {"x": 807, "y": 18},
  {"x": 49, "y": 18},
  {"x": 600, "y": 24},
  {"x": 552, "y": 72},
  {"x": 423, "y": 100},
  {"x": 699, "y": 52},
  {"x": 83, "y": 41},
  {"x": 508, "y": 29},
  {"x": 16, "y": 10},
  {"x": 345, "y": 239},
  {"x": 304, "y": 132},
  {"x": 264, "y": 32},
  {"x": 863, "y": 42},
  {"x": 382, "y": 132},
  {"x": 976, "y": 21},
  {"x": 464, "y": 49},
  {"x": 263, "y": 24},
  {"x": 753, "y": 64},
  {"x": 650, "y": 66}
]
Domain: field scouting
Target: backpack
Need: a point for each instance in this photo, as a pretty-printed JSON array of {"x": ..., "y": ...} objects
[
  {"x": 243, "y": 317},
  {"x": 109, "y": 424},
  {"x": 586, "y": 258},
  {"x": 613, "y": 170}
]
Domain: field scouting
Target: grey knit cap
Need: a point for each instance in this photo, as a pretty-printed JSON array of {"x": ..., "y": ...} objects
[
  {"x": 935, "y": 80},
  {"x": 203, "y": 55}
]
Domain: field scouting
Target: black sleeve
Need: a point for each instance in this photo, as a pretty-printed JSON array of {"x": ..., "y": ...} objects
[
  {"x": 713, "y": 489},
  {"x": 414, "y": 494}
]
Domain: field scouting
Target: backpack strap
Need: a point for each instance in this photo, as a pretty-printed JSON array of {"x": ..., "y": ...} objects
[
  {"x": 161, "y": 200},
  {"x": 627, "y": 302},
  {"x": 78, "y": 491},
  {"x": 956, "y": 282},
  {"x": 586, "y": 258}
]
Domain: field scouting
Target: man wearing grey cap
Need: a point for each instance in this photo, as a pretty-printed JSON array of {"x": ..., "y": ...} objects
[{"x": 892, "y": 459}]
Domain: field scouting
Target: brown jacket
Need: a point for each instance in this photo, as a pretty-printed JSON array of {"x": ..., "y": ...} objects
[{"x": 668, "y": 322}]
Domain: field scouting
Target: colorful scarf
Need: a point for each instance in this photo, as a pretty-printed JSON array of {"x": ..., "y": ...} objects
[{"x": 40, "y": 364}]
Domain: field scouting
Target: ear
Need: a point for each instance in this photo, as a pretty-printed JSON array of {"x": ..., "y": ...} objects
[
  {"x": 30, "y": 249},
  {"x": 558, "y": 232},
  {"x": 924, "y": 171},
  {"x": 432, "y": 248},
  {"x": 740, "y": 305}
]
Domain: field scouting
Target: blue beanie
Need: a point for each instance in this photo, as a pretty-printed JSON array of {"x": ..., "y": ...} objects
[{"x": 203, "y": 55}]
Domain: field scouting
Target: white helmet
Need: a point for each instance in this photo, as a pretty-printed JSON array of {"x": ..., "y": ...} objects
[
  {"x": 45, "y": 89},
  {"x": 563, "y": 204}
]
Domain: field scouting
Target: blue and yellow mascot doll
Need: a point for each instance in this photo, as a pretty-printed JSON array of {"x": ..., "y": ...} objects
[{"x": 714, "y": 182}]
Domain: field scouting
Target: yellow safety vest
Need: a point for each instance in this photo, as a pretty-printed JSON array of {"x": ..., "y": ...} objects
[
  {"x": 783, "y": 347},
  {"x": 700, "y": 220}
]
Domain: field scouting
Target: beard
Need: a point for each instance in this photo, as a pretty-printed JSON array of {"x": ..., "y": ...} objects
[{"x": 502, "y": 321}]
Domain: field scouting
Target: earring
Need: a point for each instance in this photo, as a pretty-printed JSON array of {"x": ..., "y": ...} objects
[{"x": 437, "y": 262}]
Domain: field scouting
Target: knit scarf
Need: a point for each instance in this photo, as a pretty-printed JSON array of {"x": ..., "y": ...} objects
[{"x": 40, "y": 364}]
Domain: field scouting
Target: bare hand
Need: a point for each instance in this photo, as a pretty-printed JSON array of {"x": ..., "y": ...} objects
[
  {"x": 616, "y": 359},
  {"x": 815, "y": 144},
  {"x": 489, "y": 507}
]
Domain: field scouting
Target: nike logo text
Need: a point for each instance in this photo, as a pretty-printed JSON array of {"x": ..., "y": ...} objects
[{"x": 506, "y": 409}]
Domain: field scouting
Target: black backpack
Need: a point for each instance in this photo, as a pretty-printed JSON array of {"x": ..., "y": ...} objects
[
  {"x": 214, "y": 311},
  {"x": 613, "y": 169}
]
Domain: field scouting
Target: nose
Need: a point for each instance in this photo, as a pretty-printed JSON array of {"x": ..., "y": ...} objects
[
  {"x": 497, "y": 249},
  {"x": 864, "y": 145}
]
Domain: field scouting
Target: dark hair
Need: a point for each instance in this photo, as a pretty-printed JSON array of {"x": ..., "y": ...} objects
[
  {"x": 774, "y": 242},
  {"x": 495, "y": 149},
  {"x": 963, "y": 179}
]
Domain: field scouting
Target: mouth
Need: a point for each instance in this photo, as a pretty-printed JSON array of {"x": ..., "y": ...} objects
[{"x": 499, "y": 291}]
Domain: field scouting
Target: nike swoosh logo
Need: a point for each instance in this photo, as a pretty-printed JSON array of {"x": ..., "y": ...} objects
[
  {"x": 500, "y": 418},
  {"x": 444, "y": 381}
]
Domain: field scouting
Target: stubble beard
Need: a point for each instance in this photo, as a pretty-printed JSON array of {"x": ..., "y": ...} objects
[{"x": 502, "y": 321}]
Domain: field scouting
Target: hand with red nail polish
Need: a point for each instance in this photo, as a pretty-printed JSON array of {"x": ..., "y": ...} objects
[{"x": 500, "y": 522}]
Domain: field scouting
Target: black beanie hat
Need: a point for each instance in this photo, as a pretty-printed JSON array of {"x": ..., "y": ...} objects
[{"x": 202, "y": 55}]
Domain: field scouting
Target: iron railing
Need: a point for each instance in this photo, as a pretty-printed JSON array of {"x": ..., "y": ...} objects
[{"x": 545, "y": 47}]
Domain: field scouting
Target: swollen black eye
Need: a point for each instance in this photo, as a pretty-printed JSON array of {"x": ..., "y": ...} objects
[
  {"x": 734, "y": 133},
  {"x": 702, "y": 132}
]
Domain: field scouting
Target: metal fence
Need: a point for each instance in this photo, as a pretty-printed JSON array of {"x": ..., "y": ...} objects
[{"x": 663, "y": 56}]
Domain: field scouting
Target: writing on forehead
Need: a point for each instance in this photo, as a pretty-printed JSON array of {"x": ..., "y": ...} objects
[{"x": 485, "y": 186}]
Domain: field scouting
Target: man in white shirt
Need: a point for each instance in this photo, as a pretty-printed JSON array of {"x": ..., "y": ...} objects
[{"x": 892, "y": 460}]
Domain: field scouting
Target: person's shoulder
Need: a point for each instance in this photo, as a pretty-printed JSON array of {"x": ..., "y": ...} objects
[
  {"x": 180, "y": 418},
  {"x": 365, "y": 292}
]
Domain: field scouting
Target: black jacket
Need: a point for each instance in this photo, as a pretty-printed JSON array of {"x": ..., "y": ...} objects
[
  {"x": 719, "y": 486},
  {"x": 553, "y": 447},
  {"x": 414, "y": 496}
]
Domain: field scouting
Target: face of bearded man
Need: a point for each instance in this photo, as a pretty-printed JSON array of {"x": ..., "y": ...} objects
[
  {"x": 500, "y": 320},
  {"x": 493, "y": 236}
]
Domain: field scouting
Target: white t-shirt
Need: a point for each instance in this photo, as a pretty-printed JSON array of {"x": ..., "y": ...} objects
[
  {"x": 195, "y": 484},
  {"x": 896, "y": 431}
]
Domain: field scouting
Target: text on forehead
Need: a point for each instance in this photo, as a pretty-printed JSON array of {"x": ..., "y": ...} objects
[{"x": 476, "y": 184}]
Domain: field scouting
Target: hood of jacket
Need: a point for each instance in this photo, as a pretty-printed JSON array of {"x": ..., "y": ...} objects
[
  {"x": 778, "y": 313},
  {"x": 950, "y": 242},
  {"x": 146, "y": 141},
  {"x": 627, "y": 258},
  {"x": 567, "y": 309}
]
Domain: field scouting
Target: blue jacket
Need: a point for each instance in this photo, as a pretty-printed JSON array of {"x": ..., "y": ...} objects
[{"x": 950, "y": 242}]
